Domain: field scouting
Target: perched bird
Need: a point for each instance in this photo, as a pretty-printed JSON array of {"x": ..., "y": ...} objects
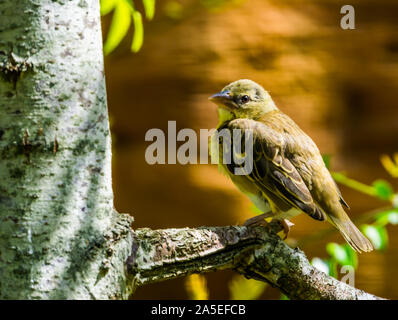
[{"x": 288, "y": 175}]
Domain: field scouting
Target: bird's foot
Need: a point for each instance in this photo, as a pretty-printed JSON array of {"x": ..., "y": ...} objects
[
  {"x": 286, "y": 224},
  {"x": 258, "y": 220}
]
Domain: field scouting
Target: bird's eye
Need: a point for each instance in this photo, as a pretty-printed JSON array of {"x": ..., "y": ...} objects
[{"x": 244, "y": 99}]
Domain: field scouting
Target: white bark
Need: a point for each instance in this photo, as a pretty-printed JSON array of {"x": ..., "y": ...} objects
[{"x": 59, "y": 234}]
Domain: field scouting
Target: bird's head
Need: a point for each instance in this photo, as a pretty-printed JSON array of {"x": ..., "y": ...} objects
[{"x": 244, "y": 99}]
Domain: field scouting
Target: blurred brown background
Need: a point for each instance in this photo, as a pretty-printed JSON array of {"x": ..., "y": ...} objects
[{"x": 340, "y": 86}]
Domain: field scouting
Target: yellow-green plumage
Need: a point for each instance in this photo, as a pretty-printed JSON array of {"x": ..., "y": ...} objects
[{"x": 289, "y": 175}]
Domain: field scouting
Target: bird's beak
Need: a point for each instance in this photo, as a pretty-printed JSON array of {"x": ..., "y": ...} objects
[{"x": 223, "y": 99}]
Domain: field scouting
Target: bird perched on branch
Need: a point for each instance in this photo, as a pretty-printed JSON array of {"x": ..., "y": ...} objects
[{"x": 288, "y": 174}]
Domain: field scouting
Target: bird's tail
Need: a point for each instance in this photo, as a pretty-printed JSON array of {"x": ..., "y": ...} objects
[{"x": 351, "y": 234}]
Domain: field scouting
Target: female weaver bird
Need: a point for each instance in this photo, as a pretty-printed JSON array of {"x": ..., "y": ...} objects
[{"x": 288, "y": 174}]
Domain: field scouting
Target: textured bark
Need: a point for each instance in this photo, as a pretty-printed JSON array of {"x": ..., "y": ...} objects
[
  {"x": 254, "y": 252},
  {"x": 59, "y": 234}
]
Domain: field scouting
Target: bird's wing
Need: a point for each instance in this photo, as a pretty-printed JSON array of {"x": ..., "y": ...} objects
[
  {"x": 273, "y": 172},
  {"x": 342, "y": 201}
]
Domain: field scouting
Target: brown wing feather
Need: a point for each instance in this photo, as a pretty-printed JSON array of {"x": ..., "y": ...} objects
[
  {"x": 342, "y": 201},
  {"x": 272, "y": 172}
]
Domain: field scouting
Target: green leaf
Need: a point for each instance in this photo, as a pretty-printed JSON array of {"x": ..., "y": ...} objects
[
  {"x": 149, "y": 7},
  {"x": 332, "y": 267},
  {"x": 377, "y": 235},
  {"x": 121, "y": 21},
  {"x": 394, "y": 200},
  {"x": 383, "y": 189},
  {"x": 138, "y": 36},
  {"x": 353, "y": 184},
  {"x": 107, "y": 6},
  {"x": 241, "y": 288},
  {"x": 352, "y": 257},
  {"x": 327, "y": 158},
  {"x": 321, "y": 265},
  {"x": 385, "y": 217},
  {"x": 173, "y": 10},
  {"x": 284, "y": 297},
  {"x": 393, "y": 217},
  {"x": 337, "y": 252}
]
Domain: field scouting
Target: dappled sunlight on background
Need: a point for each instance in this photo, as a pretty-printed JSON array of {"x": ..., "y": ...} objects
[{"x": 340, "y": 86}]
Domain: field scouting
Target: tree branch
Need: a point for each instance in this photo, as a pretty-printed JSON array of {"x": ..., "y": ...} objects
[{"x": 255, "y": 252}]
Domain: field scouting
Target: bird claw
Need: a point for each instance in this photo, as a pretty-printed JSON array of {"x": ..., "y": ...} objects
[
  {"x": 258, "y": 220},
  {"x": 286, "y": 224}
]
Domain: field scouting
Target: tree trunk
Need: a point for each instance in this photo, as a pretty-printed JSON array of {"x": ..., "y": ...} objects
[{"x": 59, "y": 234}]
